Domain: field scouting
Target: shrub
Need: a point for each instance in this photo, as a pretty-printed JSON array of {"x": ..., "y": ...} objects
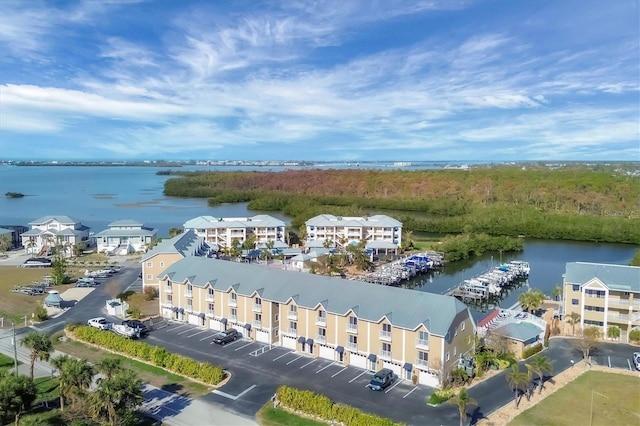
[
  {"x": 503, "y": 364},
  {"x": 634, "y": 336},
  {"x": 41, "y": 313},
  {"x": 440, "y": 396},
  {"x": 125, "y": 295},
  {"x": 532, "y": 350},
  {"x": 150, "y": 293}
]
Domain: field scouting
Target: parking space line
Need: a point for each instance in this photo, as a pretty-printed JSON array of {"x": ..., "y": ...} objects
[
  {"x": 397, "y": 383},
  {"x": 357, "y": 376},
  {"x": 629, "y": 364},
  {"x": 248, "y": 344},
  {"x": 310, "y": 362},
  {"x": 195, "y": 334},
  {"x": 294, "y": 360},
  {"x": 609, "y": 360},
  {"x": 226, "y": 345},
  {"x": 180, "y": 327},
  {"x": 409, "y": 393},
  {"x": 186, "y": 331},
  {"x": 325, "y": 367},
  {"x": 339, "y": 371},
  {"x": 285, "y": 354},
  {"x": 208, "y": 337}
]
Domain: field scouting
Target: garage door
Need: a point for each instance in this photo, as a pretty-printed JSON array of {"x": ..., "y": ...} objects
[
  {"x": 396, "y": 368},
  {"x": 167, "y": 313},
  {"x": 289, "y": 342},
  {"x": 214, "y": 324},
  {"x": 262, "y": 336},
  {"x": 194, "y": 319},
  {"x": 428, "y": 379},
  {"x": 241, "y": 330},
  {"x": 357, "y": 360},
  {"x": 326, "y": 352}
]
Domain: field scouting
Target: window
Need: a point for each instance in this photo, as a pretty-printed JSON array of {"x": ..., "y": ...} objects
[
  {"x": 190, "y": 304},
  {"x": 353, "y": 322},
  {"x": 169, "y": 299},
  {"x": 293, "y": 325},
  {"x": 423, "y": 356},
  {"x": 462, "y": 326},
  {"x": 149, "y": 277},
  {"x": 211, "y": 307},
  {"x": 189, "y": 287},
  {"x": 258, "y": 301},
  {"x": 322, "y": 332},
  {"x": 455, "y": 351},
  {"x": 594, "y": 308},
  {"x": 353, "y": 340},
  {"x": 455, "y": 332},
  {"x": 149, "y": 264},
  {"x": 277, "y": 318},
  {"x": 386, "y": 347},
  {"x": 293, "y": 308},
  {"x": 575, "y": 287},
  {"x": 234, "y": 314},
  {"x": 468, "y": 340},
  {"x": 423, "y": 335},
  {"x": 575, "y": 302},
  {"x": 595, "y": 293},
  {"x": 210, "y": 293},
  {"x": 234, "y": 297},
  {"x": 447, "y": 336},
  {"x": 597, "y": 323},
  {"x": 386, "y": 328},
  {"x": 258, "y": 317},
  {"x": 162, "y": 264},
  {"x": 446, "y": 356}
]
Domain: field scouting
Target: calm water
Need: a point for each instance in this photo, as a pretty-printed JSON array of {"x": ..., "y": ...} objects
[{"x": 100, "y": 195}]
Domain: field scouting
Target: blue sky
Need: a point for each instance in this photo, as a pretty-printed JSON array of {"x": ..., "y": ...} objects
[{"x": 448, "y": 80}]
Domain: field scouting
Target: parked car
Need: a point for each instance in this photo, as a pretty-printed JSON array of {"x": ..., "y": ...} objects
[
  {"x": 381, "y": 380},
  {"x": 226, "y": 336},
  {"x": 636, "y": 360},
  {"x": 100, "y": 323},
  {"x": 137, "y": 325}
]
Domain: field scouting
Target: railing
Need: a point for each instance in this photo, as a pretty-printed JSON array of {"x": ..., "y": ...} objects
[
  {"x": 210, "y": 313},
  {"x": 385, "y": 335},
  {"x": 422, "y": 343},
  {"x": 352, "y": 328},
  {"x": 385, "y": 354},
  {"x": 209, "y": 298},
  {"x": 188, "y": 308},
  {"x": 352, "y": 346},
  {"x": 257, "y": 324},
  {"x": 189, "y": 293},
  {"x": 257, "y": 307},
  {"x": 618, "y": 317},
  {"x": 168, "y": 289},
  {"x": 321, "y": 339},
  {"x": 233, "y": 302},
  {"x": 321, "y": 321},
  {"x": 619, "y": 302},
  {"x": 422, "y": 363},
  {"x": 292, "y": 315},
  {"x": 292, "y": 332},
  {"x": 233, "y": 318}
]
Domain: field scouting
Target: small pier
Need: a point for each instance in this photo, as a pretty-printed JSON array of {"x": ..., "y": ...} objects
[{"x": 405, "y": 268}]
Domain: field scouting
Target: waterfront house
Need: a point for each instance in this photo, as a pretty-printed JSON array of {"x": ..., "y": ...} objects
[
  {"x": 222, "y": 231},
  {"x": 603, "y": 295},
  {"x": 49, "y": 232},
  {"x": 168, "y": 252},
  {"x": 420, "y": 336},
  {"x": 124, "y": 237},
  {"x": 380, "y": 232},
  {"x": 14, "y": 233}
]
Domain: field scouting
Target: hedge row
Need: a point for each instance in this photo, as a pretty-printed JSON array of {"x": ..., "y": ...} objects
[
  {"x": 320, "y": 406},
  {"x": 160, "y": 357},
  {"x": 531, "y": 350}
]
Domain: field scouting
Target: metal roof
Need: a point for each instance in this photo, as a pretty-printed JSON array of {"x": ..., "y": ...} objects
[
  {"x": 615, "y": 277},
  {"x": 375, "y": 221},
  {"x": 126, "y": 222},
  {"x": 210, "y": 222},
  {"x": 185, "y": 244},
  {"x": 371, "y": 302},
  {"x": 131, "y": 232},
  {"x": 522, "y": 331},
  {"x": 63, "y": 219}
]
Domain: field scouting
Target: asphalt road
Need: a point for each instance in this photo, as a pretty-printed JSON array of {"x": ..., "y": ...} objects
[{"x": 257, "y": 370}]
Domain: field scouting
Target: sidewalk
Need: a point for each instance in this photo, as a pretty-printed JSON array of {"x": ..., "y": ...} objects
[{"x": 169, "y": 408}]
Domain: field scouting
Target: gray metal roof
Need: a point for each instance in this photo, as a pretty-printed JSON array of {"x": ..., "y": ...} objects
[
  {"x": 377, "y": 221},
  {"x": 522, "y": 331},
  {"x": 186, "y": 244},
  {"x": 371, "y": 302},
  {"x": 63, "y": 219},
  {"x": 379, "y": 244},
  {"x": 126, "y": 222},
  {"x": 257, "y": 221},
  {"x": 132, "y": 232},
  {"x": 616, "y": 277},
  {"x": 5, "y": 231}
]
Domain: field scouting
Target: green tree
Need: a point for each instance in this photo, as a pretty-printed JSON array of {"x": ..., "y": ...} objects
[
  {"x": 109, "y": 366},
  {"x": 408, "y": 242},
  {"x": 75, "y": 378},
  {"x": 634, "y": 335},
  {"x": 588, "y": 339},
  {"x": 531, "y": 300},
  {"x": 40, "y": 347},
  {"x": 5, "y": 242},
  {"x": 573, "y": 319},
  {"x": 17, "y": 393},
  {"x": 175, "y": 231},
  {"x": 613, "y": 332},
  {"x": 518, "y": 381},
  {"x": 462, "y": 400},
  {"x": 556, "y": 292},
  {"x": 539, "y": 366},
  {"x": 116, "y": 397}
]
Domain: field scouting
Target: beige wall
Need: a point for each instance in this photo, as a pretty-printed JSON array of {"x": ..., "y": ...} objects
[{"x": 155, "y": 265}]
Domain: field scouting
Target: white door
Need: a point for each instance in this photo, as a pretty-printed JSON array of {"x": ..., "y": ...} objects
[
  {"x": 262, "y": 336},
  {"x": 214, "y": 324},
  {"x": 396, "y": 368},
  {"x": 289, "y": 342},
  {"x": 326, "y": 352},
  {"x": 357, "y": 360},
  {"x": 241, "y": 330},
  {"x": 194, "y": 319},
  {"x": 428, "y": 379},
  {"x": 167, "y": 313}
]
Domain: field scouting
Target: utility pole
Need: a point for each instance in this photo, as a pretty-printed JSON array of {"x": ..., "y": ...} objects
[{"x": 15, "y": 348}]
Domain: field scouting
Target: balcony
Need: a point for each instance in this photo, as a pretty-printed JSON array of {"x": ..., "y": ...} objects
[
  {"x": 321, "y": 339},
  {"x": 233, "y": 318},
  {"x": 188, "y": 308},
  {"x": 233, "y": 302},
  {"x": 168, "y": 289},
  {"x": 188, "y": 293},
  {"x": 210, "y": 313},
  {"x": 352, "y": 346},
  {"x": 257, "y": 324},
  {"x": 617, "y": 302},
  {"x": 385, "y": 335},
  {"x": 257, "y": 307},
  {"x": 422, "y": 363},
  {"x": 321, "y": 321},
  {"x": 422, "y": 344},
  {"x": 385, "y": 354},
  {"x": 292, "y": 315},
  {"x": 293, "y": 332},
  {"x": 618, "y": 317},
  {"x": 352, "y": 328},
  {"x": 209, "y": 298}
]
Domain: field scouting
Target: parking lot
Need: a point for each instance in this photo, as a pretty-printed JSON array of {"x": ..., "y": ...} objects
[{"x": 613, "y": 361}]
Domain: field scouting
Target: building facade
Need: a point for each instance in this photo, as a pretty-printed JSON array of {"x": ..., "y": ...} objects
[
  {"x": 222, "y": 231},
  {"x": 603, "y": 295},
  {"x": 124, "y": 237},
  {"x": 376, "y": 230},
  {"x": 420, "y": 336},
  {"x": 50, "y": 232}
]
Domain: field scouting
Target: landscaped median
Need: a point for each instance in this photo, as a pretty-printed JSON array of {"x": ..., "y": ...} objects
[
  {"x": 155, "y": 355},
  {"x": 319, "y": 407}
]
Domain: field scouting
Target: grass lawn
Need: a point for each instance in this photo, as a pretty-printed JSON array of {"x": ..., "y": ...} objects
[
  {"x": 148, "y": 373},
  {"x": 6, "y": 362},
  {"x": 269, "y": 416},
  {"x": 571, "y": 405}
]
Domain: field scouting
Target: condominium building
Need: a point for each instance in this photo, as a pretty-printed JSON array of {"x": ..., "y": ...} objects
[
  {"x": 124, "y": 237},
  {"x": 49, "y": 232},
  {"x": 378, "y": 231},
  {"x": 222, "y": 231},
  {"x": 418, "y": 335},
  {"x": 603, "y": 295}
]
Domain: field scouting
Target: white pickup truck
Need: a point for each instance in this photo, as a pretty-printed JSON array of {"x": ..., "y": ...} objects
[{"x": 100, "y": 323}]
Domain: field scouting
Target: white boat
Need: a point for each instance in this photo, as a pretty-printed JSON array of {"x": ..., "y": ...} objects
[{"x": 125, "y": 330}]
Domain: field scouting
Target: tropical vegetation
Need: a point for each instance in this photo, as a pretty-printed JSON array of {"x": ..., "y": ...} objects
[
  {"x": 518, "y": 381},
  {"x": 531, "y": 300},
  {"x": 462, "y": 400},
  {"x": 540, "y": 365}
]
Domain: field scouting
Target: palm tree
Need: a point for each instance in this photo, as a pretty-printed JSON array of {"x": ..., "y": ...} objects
[
  {"x": 116, "y": 395},
  {"x": 76, "y": 376},
  {"x": 462, "y": 399},
  {"x": 58, "y": 363},
  {"x": 40, "y": 346},
  {"x": 573, "y": 319},
  {"x": 531, "y": 300},
  {"x": 109, "y": 366},
  {"x": 518, "y": 381},
  {"x": 539, "y": 366}
]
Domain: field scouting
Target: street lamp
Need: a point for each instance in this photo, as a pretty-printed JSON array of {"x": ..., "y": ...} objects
[{"x": 591, "y": 415}]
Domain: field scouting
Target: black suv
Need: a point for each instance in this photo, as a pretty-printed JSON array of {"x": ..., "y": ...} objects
[
  {"x": 226, "y": 336},
  {"x": 141, "y": 327},
  {"x": 381, "y": 380}
]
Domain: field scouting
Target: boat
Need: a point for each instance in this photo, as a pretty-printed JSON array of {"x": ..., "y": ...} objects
[{"x": 125, "y": 330}]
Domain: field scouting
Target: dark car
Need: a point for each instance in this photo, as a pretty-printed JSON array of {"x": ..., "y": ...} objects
[
  {"x": 226, "y": 336},
  {"x": 381, "y": 380},
  {"x": 141, "y": 327}
]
